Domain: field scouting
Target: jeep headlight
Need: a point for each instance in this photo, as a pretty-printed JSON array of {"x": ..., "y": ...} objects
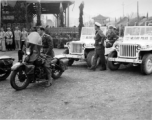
[
  {"x": 84, "y": 45},
  {"x": 116, "y": 47},
  {"x": 138, "y": 47}
]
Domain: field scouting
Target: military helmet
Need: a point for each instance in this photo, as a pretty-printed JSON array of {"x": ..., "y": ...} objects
[{"x": 34, "y": 38}]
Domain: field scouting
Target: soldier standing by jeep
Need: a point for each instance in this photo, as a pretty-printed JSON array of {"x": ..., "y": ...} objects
[{"x": 99, "y": 48}]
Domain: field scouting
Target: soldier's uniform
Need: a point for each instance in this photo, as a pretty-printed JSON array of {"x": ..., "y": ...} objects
[
  {"x": 99, "y": 49},
  {"x": 112, "y": 37},
  {"x": 47, "y": 42}
]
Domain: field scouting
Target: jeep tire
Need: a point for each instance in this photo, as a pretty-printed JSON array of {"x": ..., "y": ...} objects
[
  {"x": 89, "y": 58},
  {"x": 146, "y": 66},
  {"x": 111, "y": 65}
]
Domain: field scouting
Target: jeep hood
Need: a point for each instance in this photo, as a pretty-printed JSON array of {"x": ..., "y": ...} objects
[
  {"x": 85, "y": 41},
  {"x": 137, "y": 42}
]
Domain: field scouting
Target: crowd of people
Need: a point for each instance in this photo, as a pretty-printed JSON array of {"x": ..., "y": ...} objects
[{"x": 12, "y": 40}]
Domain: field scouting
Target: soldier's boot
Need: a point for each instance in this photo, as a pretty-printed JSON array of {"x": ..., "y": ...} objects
[{"x": 50, "y": 79}]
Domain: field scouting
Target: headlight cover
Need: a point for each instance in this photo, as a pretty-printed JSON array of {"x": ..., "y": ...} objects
[
  {"x": 138, "y": 47},
  {"x": 117, "y": 46}
]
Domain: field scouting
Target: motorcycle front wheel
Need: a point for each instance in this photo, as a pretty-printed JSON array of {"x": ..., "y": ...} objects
[
  {"x": 3, "y": 76},
  {"x": 19, "y": 80}
]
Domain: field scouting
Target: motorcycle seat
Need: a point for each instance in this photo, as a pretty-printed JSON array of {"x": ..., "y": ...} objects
[{"x": 5, "y": 57}]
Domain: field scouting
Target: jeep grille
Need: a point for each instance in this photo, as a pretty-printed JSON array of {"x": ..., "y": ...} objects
[
  {"x": 128, "y": 51},
  {"x": 76, "y": 48}
]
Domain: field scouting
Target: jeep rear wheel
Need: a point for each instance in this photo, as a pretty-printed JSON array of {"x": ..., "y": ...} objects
[
  {"x": 112, "y": 65},
  {"x": 146, "y": 66}
]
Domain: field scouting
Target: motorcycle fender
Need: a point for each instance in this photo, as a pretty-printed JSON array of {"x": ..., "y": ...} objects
[
  {"x": 16, "y": 66},
  {"x": 64, "y": 64}
]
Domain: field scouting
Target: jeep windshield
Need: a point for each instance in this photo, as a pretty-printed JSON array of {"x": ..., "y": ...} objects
[
  {"x": 89, "y": 32},
  {"x": 138, "y": 31}
]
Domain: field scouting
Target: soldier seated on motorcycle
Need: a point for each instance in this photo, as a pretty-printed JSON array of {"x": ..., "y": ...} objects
[
  {"x": 111, "y": 37},
  {"x": 47, "y": 42},
  {"x": 35, "y": 45}
]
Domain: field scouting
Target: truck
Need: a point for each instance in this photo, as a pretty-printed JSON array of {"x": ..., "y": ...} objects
[
  {"x": 83, "y": 50},
  {"x": 134, "y": 49}
]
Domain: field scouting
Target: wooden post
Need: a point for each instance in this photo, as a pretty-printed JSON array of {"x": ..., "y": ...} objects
[
  {"x": 38, "y": 14},
  {"x": 65, "y": 17},
  {"x": 68, "y": 16},
  {"x": 0, "y": 13}
]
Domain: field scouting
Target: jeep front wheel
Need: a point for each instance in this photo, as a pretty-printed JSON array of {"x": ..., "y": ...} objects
[
  {"x": 111, "y": 64},
  {"x": 146, "y": 66},
  {"x": 89, "y": 58}
]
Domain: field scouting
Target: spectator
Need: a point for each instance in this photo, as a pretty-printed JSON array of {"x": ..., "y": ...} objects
[
  {"x": 24, "y": 35},
  {"x": 9, "y": 39},
  {"x": 2, "y": 39},
  {"x": 17, "y": 34}
]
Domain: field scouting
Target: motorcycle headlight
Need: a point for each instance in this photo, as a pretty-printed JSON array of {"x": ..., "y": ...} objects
[{"x": 27, "y": 51}]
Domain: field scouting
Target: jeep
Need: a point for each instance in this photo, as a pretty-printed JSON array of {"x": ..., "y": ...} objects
[{"x": 135, "y": 49}]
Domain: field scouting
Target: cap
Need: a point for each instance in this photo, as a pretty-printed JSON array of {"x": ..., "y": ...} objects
[
  {"x": 111, "y": 27},
  {"x": 97, "y": 24}
]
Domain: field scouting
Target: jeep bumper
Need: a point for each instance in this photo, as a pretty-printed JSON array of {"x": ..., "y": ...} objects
[
  {"x": 125, "y": 60},
  {"x": 70, "y": 56}
]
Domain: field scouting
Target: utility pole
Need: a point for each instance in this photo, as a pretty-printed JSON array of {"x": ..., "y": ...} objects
[
  {"x": 137, "y": 12},
  {"x": 123, "y": 9}
]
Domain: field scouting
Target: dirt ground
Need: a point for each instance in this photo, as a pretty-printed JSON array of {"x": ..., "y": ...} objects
[{"x": 81, "y": 94}]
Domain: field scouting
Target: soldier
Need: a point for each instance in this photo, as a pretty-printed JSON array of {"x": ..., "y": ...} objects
[
  {"x": 9, "y": 39},
  {"x": 99, "y": 48},
  {"x": 112, "y": 37},
  {"x": 47, "y": 42}
]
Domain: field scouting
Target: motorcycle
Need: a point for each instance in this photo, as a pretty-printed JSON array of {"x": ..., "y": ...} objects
[
  {"x": 6, "y": 63},
  {"x": 24, "y": 73}
]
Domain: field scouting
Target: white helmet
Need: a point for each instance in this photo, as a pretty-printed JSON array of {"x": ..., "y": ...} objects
[{"x": 34, "y": 38}]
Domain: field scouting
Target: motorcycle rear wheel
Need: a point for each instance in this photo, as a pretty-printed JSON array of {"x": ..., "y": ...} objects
[
  {"x": 56, "y": 74},
  {"x": 5, "y": 75},
  {"x": 22, "y": 78}
]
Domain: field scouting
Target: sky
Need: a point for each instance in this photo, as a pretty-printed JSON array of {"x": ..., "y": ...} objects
[{"x": 111, "y": 8}]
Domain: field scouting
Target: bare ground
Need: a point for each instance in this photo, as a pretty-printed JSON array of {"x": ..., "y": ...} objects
[{"x": 81, "y": 94}]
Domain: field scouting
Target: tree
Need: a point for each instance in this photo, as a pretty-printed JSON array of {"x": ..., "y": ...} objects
[{"x": 81, "y": 7}]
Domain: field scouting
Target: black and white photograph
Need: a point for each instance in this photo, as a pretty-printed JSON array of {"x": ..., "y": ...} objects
[{"x": 76, "y": 59}]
